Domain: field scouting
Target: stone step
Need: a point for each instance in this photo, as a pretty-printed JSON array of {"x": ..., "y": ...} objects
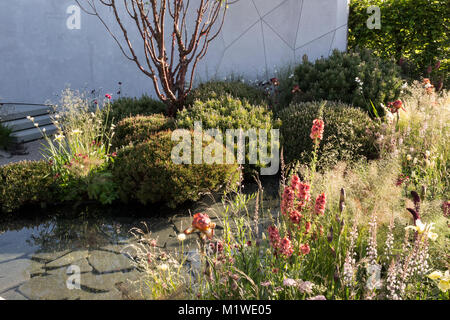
[
  {"x": 23, "y": 124},
  {"x": 14, "y": 112},
  {"x": 34, "y": 133}
]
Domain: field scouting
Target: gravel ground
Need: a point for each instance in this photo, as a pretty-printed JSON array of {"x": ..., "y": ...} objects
[{"x": 32, "y": 150}]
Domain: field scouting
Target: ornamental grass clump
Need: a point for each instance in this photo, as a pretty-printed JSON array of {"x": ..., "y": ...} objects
[
  {"x": 81, "y": 148},
  {"x": 419, "y": 134}
]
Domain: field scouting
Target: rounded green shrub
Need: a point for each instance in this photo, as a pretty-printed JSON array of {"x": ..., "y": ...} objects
[
  {"x": 349, "y": 133},
  {"x": 226, "y": 112},
  {"x": 139, "y": 128},
  {"x": 236, "y": 89},
  {"x": 336, "y": 79},
  {"x": 128, "y": 107},
  {"x": 26, "y": 183},
  {"x": 146, "y": 173}
]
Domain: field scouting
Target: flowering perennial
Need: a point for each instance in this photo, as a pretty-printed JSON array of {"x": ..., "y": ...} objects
[
  {"x": 202, "y": 223},
  {"x": 317, "y": 129}
]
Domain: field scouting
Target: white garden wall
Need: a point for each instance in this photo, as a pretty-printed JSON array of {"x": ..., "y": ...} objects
[{"x": 44, "y": 48}]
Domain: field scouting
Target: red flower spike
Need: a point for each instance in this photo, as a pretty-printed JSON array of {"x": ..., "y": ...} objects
[{"x": 319, "y": 207}]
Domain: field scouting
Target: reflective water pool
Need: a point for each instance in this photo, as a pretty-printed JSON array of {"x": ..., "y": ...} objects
[{"x": 37, "y": 258}]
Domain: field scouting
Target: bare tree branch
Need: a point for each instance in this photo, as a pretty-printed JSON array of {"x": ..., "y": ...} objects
[{"x": 171, "y": 53}]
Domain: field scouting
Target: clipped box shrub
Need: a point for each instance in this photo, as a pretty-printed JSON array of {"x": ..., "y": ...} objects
[
  {"x": 226, "y": 112},
  {"x": 26, "y": 183},
  {"x": 146, "y": 173},
  {"x": 139, "y": 128},
  {"x": 336, "y": 79},
  {"x": 236, "y": 89},
  {"x": 129, "y": 107},
  {"x": 349, "y": 133},
  {"x": 413, "y": 32}
]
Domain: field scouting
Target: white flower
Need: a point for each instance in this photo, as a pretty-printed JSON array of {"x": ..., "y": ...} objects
[
  {"x": 291, "y": 76},
  {"x": 181, "y": 237},
  {"x": 408, "y": 157},
  {"x": 163, "y": 267},
  {"x": 424, "y": 228},
  {"x": 319, "y": 297},
  {"x": 59, "y": 137},
  {"x": 435, "y": 275},
  {"x": 305, "y": 286},
  {"x": 77, "y": 131},
  {"x": 288, "y": 282},
  {"x": 36, "y": 124},
  {"x": 427, "y": 153}
]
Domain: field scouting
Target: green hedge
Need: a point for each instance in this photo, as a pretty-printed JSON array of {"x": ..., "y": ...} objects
[
  {"x": 336, "y": 79},
  {"x": 349, "y": 133},
  {"x": 146, "y": 173},
  {"x": 235, "y": 89},
  {"x": 139, "y": 128},
  {"x": 129, "y": 107},
  {"x": 415, "y": 30},
  {"x": 26, "y": 183}
]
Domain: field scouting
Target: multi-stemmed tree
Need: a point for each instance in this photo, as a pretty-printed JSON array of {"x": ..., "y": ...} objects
[{"x": 172, "y": 50}]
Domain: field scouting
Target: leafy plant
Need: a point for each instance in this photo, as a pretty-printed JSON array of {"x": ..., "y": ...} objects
[
  {"x": 358, "y": 78},
  {"x": 5, "y": 136},
  {"x": 101, "y": 187}
]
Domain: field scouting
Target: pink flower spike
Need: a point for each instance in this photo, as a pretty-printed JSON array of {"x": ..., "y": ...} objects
[
  {"x": 317, "y": 129},
  {"x": 108, "y": 96}
]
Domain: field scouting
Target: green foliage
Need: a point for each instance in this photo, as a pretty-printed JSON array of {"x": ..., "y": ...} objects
[
  {"x": 5, "y": 136},
  {"x": 349, "y": 133},
  {"x": 415, "y": 30},
  {"x": 236, "y": 89},
  {"x": 128, "y": 107},
  {"x": 101, "y": 187},
  {"x": 336, "y": 79},
  {"x": 146, "y": 173},
  {"x": 138, "y": 128},
  {"x": 226, "y": 112},
  {"x": 26, "y": 183}
]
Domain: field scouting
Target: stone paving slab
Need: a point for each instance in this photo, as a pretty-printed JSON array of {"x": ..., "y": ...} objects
[
  {"x": 104, "y": 261},
  {"x": 67, "y": 259},
  {"x": 48, "y": 256},
  {"x": 14, "y": 273},
  {"x": 81, "y": 263},
  {"x": 12, "y": 295}
]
